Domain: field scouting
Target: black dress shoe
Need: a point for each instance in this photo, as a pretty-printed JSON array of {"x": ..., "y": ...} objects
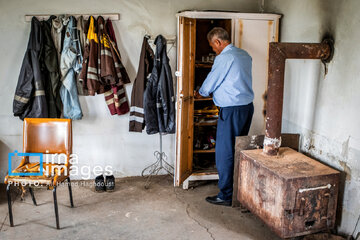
[
  {"x": 99, "y": 184},
  {"x": 110, "y": 183},
  {"x": 218, "y": 201}
]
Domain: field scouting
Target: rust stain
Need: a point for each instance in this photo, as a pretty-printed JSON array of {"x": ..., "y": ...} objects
[
  {"x": 264, "y": 96},
  {"x": 270, "y": 27},
  {"x": 241, "y": 26},
  {"x": 277, "y": 32},
  {"x": 270, "y": 30},
  {"x": 347, "y": 170}
]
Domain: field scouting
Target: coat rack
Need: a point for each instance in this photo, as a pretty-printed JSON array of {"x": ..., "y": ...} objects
[
  {"x": 111, "y": 16},
  {"x": 169, "y": 40},
  {"x": 159, "y": 164}
]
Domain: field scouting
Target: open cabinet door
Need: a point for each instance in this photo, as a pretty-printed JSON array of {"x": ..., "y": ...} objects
[{"x": 185, "y": 99}]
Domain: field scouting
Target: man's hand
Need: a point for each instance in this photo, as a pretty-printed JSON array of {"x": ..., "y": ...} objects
[{"x": 197, "y": 95}]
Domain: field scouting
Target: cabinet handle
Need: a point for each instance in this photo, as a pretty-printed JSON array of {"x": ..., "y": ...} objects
[{"x": 181, "y": 96}]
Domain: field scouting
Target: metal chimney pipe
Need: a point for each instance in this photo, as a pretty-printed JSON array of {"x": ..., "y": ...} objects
[{"x": 278, "y": 53}]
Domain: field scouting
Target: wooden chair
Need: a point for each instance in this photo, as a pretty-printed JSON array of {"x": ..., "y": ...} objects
[{"x": 46, "y": 136}]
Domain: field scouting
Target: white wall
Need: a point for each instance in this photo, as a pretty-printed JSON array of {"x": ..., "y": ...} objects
[
  {"x": 325, "y": 108},
  {"x": 99, "y": 138}
]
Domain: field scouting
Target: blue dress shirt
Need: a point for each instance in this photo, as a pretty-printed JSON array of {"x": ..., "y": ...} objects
[{"x": 230, "y": 79}]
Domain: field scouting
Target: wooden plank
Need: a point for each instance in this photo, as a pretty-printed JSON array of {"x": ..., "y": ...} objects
[
  {"x": 204, "y": 173},
  {"x": 204, "y": 151},
  {"x": 40, "y": 17},
  {"x": 203, "y": 65},
  {"x": 203, "y": 99},
  {"x": 206, "y": 124},
  {"x": 228, "y": 15},
  {"x": 196, "y": 177}
]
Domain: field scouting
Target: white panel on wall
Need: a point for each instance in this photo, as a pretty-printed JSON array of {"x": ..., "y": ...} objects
[{"x": 255, "y": 36}]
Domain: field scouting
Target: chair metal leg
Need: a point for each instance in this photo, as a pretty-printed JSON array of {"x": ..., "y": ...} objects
[
  {"x": 70, "y": 192},
  {"x": 9, "y": 205},
  {"x": 56, "y": 209},
  {"x": 32, "y": 196}
]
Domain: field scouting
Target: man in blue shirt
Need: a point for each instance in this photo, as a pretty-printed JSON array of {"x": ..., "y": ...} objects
[{"x": 230, "y": 84}]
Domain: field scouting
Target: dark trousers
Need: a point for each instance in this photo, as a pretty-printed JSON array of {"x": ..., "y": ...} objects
[{"x": 233, "y": 121}]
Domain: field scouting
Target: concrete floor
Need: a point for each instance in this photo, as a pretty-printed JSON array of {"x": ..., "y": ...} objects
[{"x": 130, "y": 212}]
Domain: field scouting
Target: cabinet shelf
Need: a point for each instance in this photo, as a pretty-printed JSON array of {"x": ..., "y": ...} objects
[
  {"x": 207, "y": 171},
  {"x": 203, "y": 99},
  {"x": 203, "y": 65},
  {"x": 204, "y": 151},
  {"x": 206, "y": 124}
]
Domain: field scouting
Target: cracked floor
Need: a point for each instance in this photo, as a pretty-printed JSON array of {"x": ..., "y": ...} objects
[{"x": 130, "y": 212}]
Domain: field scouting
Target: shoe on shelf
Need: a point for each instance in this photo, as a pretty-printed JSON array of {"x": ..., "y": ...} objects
[
  {"x": 211, "y": 141},
  {"x": 197, "y": 144},
  {"x": 99, "y": 184},
  {"x": 218, "y": 201},
  {"x": 110, "y": 183}
]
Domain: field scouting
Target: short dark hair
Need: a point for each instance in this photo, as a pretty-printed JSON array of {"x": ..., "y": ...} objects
[{"x": 218, "y": 32}]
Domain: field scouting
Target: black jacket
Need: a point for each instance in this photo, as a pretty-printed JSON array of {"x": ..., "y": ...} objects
[
  {"x": 159, "y": 101},
  {"x": 50, "y": 68},
  {"x": 29, "y": 99}
]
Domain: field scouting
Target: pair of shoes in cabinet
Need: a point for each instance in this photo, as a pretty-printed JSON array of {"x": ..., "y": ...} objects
[{"x": 107, "y": 184}]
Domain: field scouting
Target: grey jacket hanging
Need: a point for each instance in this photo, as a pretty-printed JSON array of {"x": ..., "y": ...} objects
[
  {"x": 29, "y": 99},
  {"x": 159, "y": 101}
]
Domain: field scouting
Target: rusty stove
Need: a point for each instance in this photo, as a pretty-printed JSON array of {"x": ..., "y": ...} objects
[{"x": 292, "y": 193}]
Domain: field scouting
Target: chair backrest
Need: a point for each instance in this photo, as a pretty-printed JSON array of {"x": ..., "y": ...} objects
[{"x": 47, "y": 135}]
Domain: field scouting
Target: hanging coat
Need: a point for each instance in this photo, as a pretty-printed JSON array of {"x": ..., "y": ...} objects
[
  {"x": 70, "y": 65},
  {"x": 159, "y": 101},
  {"x": 89, "y": 75},
  {"x": 136, "y": 119},
  {"x": 121, "y": 73},
  {"x": 112, "y": 72},
  {"x": 58, "y": 27},
  {"x": 50, "y": 66},
  {"x": 29, "y": 99},
  {"x": 165, "y": 92},
  {"x": 106, "y": 63},
  {"x": 82, "y": 31},
  {"x": 82, "y": 26}
]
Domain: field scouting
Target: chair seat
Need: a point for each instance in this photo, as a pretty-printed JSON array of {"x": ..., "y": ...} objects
[{"x": 49, "y": 172}]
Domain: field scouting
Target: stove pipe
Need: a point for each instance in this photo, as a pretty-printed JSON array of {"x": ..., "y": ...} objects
[{"x": 278, "y": 53}]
